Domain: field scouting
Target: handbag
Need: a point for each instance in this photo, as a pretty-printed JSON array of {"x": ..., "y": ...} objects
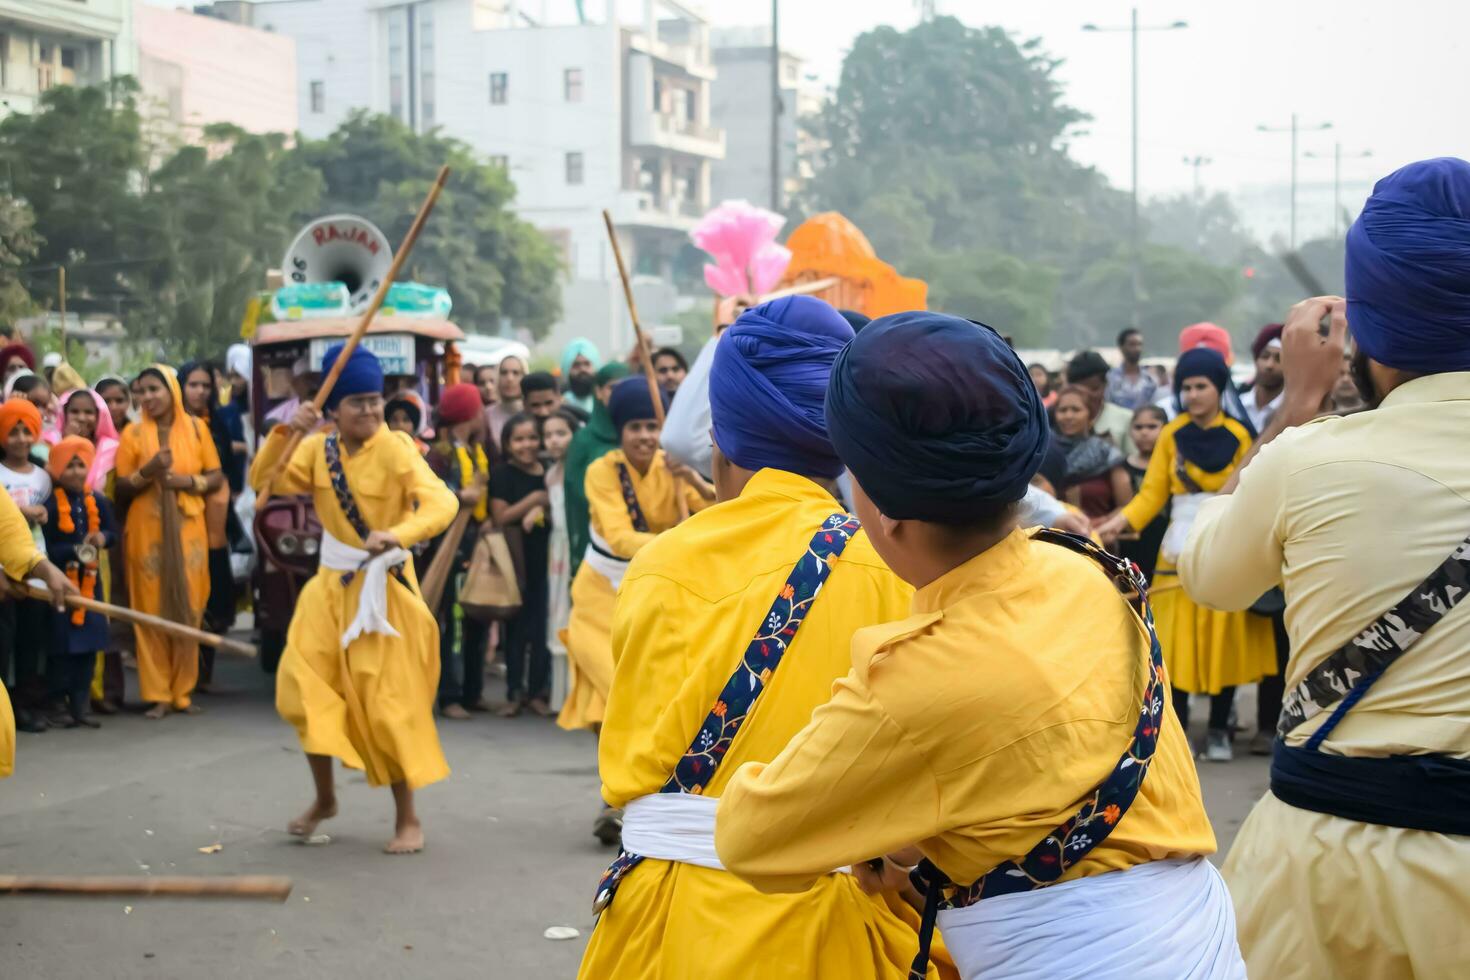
[{"x": 492, "y": 588}]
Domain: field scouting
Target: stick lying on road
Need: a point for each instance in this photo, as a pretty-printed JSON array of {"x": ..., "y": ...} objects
[
  {"x": 142, "y": 619},
  {"x": 266, "y": 888}
]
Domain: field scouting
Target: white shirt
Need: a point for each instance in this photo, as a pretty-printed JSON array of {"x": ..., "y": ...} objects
[
  {"x": 1260, "y": 416},
  {"x": 28, "y": 490}
]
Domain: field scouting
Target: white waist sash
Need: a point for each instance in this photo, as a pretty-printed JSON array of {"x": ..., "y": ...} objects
[
  {"x": 1166, "y": 920},
  {"x": 1182, "y": 512},
  {"x": 607, "y": 566},
  {"x": 372, "y": 604},
  {"x": 674, "y": 827}
]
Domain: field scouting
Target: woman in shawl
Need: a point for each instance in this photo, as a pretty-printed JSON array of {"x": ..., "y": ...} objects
[
  {"x": 1205, "y": 651},
  {"x": 593, "y": 441},
  {"x": 201, "y": 399},
  {"x": 167, "y": 466},
  {"x": 1096, "y": 479},
  {"x": 85, "y": 414}
]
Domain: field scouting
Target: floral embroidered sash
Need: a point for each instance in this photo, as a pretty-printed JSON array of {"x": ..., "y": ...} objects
[
  {"x": 762, "y": 656},
  {"x": 1069, "y": 843},
  {"x": 630, "y": 497}
]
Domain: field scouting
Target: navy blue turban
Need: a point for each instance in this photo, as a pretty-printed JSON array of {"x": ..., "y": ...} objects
[
  {"x": 630, "y": 401},
  {"x": 855, "y": 320},
  {"x": 1407, "y": 271},
  {"x": 1201, "y": 362},
  {"x": 1214, "y": 448},
  {"x": 936, "y": 417},
  {"x": 362, "y": 374},
  {"x": 768, "y": 384}
]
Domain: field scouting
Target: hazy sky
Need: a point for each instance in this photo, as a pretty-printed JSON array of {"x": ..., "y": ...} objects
[{"x": 1391, "y": 78}]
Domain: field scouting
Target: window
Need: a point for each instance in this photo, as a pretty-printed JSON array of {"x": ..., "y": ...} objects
[
  {"x": 572, "y": 84},
  {"x": 499, "y": 83},
  {"x": 574, "y": 168},
  {"x": 500, "y": 161},
  {"x": 396, "y": 63},
  {"x": 318, "y": 97}
]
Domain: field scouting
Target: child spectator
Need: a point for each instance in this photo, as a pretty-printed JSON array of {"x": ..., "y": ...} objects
[
  {"x": 1148, "y": 421},
  {"x": 556, "y": 437},
  {"x": 79, "y": 528},
  {"x": 518, "y": 495},
  {"x": 404, "y": 414},
  {"x": 24, "y": 623},
  {"x": 460, "y": 458}
]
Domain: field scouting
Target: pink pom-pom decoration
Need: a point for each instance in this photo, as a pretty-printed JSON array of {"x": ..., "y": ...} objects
[{"x": 741, "y": 238}]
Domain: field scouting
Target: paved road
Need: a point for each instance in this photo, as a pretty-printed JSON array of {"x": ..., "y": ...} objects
[{"x": 509, "y": 850}]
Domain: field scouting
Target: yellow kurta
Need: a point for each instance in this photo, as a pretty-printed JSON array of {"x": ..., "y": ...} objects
[
  {"x": 973, "y": 728},
  {"x": 379, "y": 717},
  {"x": 1205, "y": 650},
  {"x": 587, "y": 636},
  {"x": 689, "y": 605},
  {"x": 18, "y": 555},
  {"x": 1350, "y": 514}
]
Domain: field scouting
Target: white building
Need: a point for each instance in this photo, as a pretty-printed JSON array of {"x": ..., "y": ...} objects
[
  {"x": 61, "y": 42},
  {"x": 741, "y": 102},
  {"x": 584, "y": 115}
]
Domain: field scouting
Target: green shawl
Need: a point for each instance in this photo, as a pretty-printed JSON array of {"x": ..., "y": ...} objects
[{"x": 592, "y": 442}]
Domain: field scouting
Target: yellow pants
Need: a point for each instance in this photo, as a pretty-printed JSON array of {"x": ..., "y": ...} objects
[
  {"x": 588, "y": 639},
  {"x": 168, "y": 668}
]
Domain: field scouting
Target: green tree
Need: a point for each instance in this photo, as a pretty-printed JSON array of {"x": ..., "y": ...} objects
[
  {"x": 948, "y": 146},
  {"x": 495, "y": 266},
  {"x": 215, "y": 217},
  {"x": 77, "y": 162},
  {"x": 18, "y": 245}
]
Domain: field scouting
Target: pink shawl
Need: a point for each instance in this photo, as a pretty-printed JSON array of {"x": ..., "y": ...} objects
[{"x": 106, "y": 440}]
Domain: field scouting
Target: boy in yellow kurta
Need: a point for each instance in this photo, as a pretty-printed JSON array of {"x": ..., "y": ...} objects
[
  {"x": 688, "y": 609},
  {"x": 361, "y": 666},
  {"x": 630, "y": 497},
  {"x": 1013, "y": 726},
  {"x": 20, "y": 560},
  {"x": 1206, "y": 651}
]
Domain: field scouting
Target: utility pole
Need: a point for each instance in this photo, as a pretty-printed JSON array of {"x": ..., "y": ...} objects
[
  {"x": 1135, "y": 247},
  {"x": 1294, "y": 129},
  {"x": 775, "y": 106},
  {"x": 1337, "y": 182},
  {"x": 1196, "y": 162}
]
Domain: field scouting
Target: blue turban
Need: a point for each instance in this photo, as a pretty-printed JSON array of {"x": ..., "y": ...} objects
[
  {"x": 769, "y": 381},
  {"x": 581, "y": 346},
  {"x": 855, "y": 319},
  {"x": 1201, "y": 362},
  {"x": 935, "y": 416},
  {"x": 362, "y": 375},
  {"x": 1407, "y": 271},
  {"x": 630, "y": 401}
]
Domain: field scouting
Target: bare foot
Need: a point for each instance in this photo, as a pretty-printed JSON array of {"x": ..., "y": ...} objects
[
  {"x": 539, "y": 706},
  {"x": 159, "y": 710},
  {"x": 190, "y": 709},
  {"x": 509, "y": 710},
  {"x": 455, "y": 712},
  {"x": 305, "y": 825},
  {"x": 409, "y": 839}
]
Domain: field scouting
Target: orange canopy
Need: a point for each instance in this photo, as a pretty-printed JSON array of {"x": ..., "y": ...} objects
[{"x": 828, "y": 245}]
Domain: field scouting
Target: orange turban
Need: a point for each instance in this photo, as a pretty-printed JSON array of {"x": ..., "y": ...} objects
[
  {"x": 67, "y": 450},
  {"x": 16, "y": 411}
]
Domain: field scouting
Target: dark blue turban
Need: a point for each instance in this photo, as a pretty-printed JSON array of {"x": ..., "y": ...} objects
[
  {"x": 769, "y": 381},
  {"x": 362, "y": 375},
  {"x": 1407, "y": 271},
  {"x": 936, "y": 417},
  {"x": 630, "y": 401},
  {"x": 1212, "y": 449},
  {"x": 855, "y": 319},
  {"x": 1201, "y": 362}
]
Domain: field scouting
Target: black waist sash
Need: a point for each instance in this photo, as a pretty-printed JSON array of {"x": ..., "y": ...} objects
[{"x": 1419, "y": 792}]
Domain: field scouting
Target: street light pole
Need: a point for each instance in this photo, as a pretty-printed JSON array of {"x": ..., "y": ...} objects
[
  {"x": 1337, "y": 182},
  {"x": 1135, "y": 246},
  {"x": 775, "y": 107},
  {"x": 1294, "y": 129}
]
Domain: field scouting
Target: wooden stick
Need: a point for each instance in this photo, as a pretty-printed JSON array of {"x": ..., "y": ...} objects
[
  {"x": 360, "y": 330},
  {"x": 142, "y": 619},
  {"x": 646, "y": 350},
  {"x": 266, "y": 888},
  {"x": 800, "y": 289},
  {"x": 61, "y": 297},
  {"x": 436, "y": 577}
]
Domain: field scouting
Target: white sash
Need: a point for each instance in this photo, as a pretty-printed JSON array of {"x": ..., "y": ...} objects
[
  {"x": 603, "y": 563},
  {"x": 372, "y": 603},
  {"x": 1182, "y": 513},
  {"x": 675, "y": 827},
  {"x": 1166, "y": 920}
]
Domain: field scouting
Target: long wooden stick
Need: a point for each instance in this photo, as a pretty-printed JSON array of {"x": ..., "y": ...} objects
[
  {"x": 265, "y": 888},
  {"x": 348, "y": 346},
  {"x": 645, "y": 350},
  {"x": 142, "y": 619}
]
